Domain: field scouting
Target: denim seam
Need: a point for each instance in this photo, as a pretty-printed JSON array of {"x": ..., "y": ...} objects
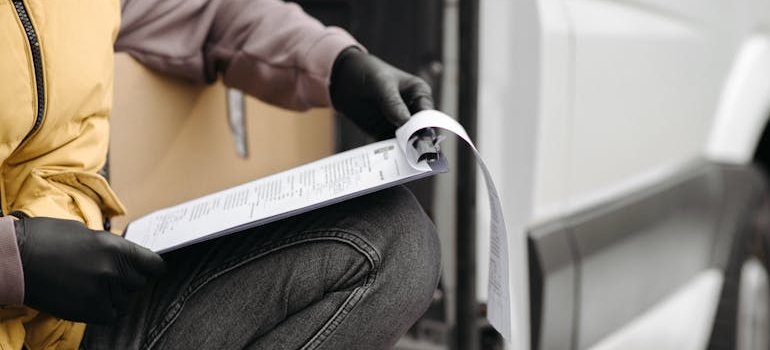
[
  {"x": 339, "y": 316},
  {"x": 358, "y": 243}
]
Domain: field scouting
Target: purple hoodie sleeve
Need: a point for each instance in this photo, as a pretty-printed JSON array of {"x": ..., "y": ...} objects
[
  {"x": 11, "y": 273},
  {"x": 269, "y": 49}
]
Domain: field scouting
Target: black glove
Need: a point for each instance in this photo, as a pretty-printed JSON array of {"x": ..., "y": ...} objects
[
  {"x": 375, "y": 95},
  {"x": 79, "y": 274}
]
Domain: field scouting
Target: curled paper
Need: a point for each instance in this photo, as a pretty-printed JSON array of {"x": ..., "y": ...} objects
[{"x": 499, "y": 301}]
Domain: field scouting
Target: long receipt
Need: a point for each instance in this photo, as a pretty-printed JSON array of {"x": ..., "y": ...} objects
[
  {"x": 499, "y": 295},
  {"x": 321, "y": 183}
]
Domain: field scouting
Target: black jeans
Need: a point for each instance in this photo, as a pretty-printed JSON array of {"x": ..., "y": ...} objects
[{"x": 355, "y": 275}]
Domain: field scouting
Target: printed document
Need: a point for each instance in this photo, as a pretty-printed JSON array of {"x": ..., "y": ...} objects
[{"x": 310, "y": 186}]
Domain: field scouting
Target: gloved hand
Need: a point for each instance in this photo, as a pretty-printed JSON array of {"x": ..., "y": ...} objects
[
  {"x": 375, "y": 95},
  {"x": 79, "y": 274}
]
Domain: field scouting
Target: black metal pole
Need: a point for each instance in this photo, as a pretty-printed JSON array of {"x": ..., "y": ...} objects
[{"x": 467, "y": 331}]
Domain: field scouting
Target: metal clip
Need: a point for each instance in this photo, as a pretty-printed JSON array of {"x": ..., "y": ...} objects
[{"x": 425, "y": 142}]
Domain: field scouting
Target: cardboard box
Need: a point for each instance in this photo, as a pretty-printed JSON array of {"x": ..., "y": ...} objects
[{"x": 170, "y": 140}]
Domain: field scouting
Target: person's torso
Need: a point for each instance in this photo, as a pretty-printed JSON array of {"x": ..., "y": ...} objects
[
  {"x": 56, "y": 66},
  {"x": 64, "y": 48}
]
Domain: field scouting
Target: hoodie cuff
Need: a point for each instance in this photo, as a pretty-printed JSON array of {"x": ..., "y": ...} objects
[
  {"x": 11, "y": 272},
  {"x": 314, "y": 87}
]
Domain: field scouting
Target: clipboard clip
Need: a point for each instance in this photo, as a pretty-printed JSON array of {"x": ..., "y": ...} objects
[{"x": 426, "y": 144}]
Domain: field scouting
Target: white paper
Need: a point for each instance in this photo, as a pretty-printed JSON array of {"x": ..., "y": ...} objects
[
  {"x": 499, "y": 298},
  {"x": 329, "y": 180}
]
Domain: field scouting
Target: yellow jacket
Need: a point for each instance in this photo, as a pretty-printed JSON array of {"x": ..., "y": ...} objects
[
  {"x": 56, "y": 77},
  {"x": 54, "y": 133}
]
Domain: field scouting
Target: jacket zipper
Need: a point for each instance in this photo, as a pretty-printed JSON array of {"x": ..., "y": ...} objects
[{"x": 37, "y": 63}]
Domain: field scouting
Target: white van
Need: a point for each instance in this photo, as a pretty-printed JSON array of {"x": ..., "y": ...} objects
[{"x": 627, "y": 137}]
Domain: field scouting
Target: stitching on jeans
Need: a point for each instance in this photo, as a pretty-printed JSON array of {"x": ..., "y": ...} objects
[
  {"x": 343, "y": 236},
  {"x": 339, "y": 316}
]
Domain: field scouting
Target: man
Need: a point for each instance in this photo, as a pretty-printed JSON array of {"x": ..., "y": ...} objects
[{"x": 354, "y": 275}]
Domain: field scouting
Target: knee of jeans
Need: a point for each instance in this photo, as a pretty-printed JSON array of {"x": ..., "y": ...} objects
[{"x": 413, "y": 254}]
